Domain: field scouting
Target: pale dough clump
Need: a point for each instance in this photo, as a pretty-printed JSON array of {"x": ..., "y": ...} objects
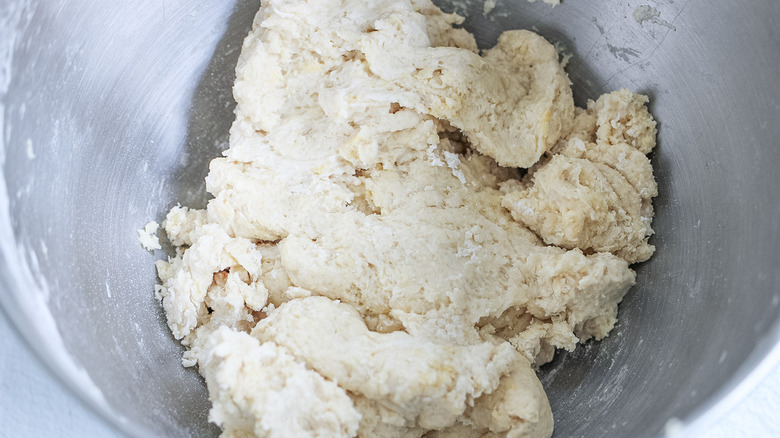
[
  {"x": 148, "y": 236},
  {"x": 373, "y": 262}
]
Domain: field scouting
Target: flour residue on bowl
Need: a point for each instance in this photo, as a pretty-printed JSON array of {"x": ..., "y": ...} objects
[
  {"x": 648, "y": 14},
  {"x": 28, "y": 291}
]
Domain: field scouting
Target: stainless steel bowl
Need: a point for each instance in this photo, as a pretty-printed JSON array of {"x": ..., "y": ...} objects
[{"x": 111, "y": 113}]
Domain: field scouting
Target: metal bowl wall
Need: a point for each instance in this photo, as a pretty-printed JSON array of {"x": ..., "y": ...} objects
[{"x": 112, "y": 111}]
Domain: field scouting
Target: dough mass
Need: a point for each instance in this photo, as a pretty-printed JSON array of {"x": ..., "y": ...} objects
[{"x": 375, "y": 262}]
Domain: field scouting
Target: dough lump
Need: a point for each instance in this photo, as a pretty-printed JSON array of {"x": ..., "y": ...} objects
[{"x": 376, "y": 261}]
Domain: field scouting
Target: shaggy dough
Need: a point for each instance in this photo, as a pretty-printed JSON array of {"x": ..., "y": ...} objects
[
  {"x": 595, "y": 192},
  {"x": 373, "y": 263}
]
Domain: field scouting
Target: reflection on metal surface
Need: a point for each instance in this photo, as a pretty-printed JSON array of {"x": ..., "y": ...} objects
[{"x": 125, "y": 104}]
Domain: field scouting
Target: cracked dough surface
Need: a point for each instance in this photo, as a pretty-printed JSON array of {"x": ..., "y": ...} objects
[{"x": 376, "y": 261}]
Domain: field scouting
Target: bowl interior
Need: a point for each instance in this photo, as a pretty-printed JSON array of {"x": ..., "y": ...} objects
[{"x": 112, "y": 113}]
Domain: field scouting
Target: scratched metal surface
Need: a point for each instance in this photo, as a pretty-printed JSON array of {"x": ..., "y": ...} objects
[{"x": 123, "y": 105}]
